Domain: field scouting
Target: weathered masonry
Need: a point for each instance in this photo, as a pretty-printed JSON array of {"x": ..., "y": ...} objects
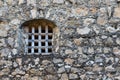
[{"x": 59, "y": 39}]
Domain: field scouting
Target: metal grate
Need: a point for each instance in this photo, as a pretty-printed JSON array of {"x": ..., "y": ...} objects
[{"x": 39, "y": 40}]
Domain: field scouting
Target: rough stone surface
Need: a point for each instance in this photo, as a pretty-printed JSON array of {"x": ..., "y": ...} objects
[
  {"x": 85, "y": 41},
  {"x": 83, "y": 31},
  {"x": 58, "y": 1},
  {"x": 117, "y": 12}
]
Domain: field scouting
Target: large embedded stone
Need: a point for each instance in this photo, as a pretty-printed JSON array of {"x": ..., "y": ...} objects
[
  {"x": 58, "y": 1},
  {"x": 4, "y": 52},
  {"x": 116, "y": 51},
  {"x": 83, "y": 31},
  {"x": 46, "y": 62},
  {"x": 14, "y": 51},
  {"x": 15, "y": 64},
  {"x": 82, "y": 11},
  {"x": 10, "y": 42},
  {"x": 88, "y": 21},
  {"x": 68, "y": 51},
  {"x": 33, "y": 13},
  {"x": 64, "y": 77},
  {"x": 102, "y": 20},
  {"x": 50, "y": 77},
  {"x": 69, "y": 61},
  {"x": 118, "y": 41},
  {"x": 3, "y": 29},
  {"x": 4, "y": 72},
  {"x": 19, "y": 61},
  {"x": 45, "y": 2},
  {"x": 75, "y": 70},
  {"x": 50, "y": 69},
  {"x": 15, "y": 21},
  {"x": 1, "y": 3},
  {"x": 34, "y": 78},
  {"x": 61, "y": 70},
  {"x": 111, "y": 29},
  {"x": 21, "y": 1},
  {"x": 33, "y": 2},
  {"x": 77, "y": 41},
  {"x": 9, "y": 2},
  {"x": 35, "y": 71},
  {"x": 117, "y": 12},
  {"x": 2, "y": 42},
  {"x": 57, "y": 60},
  {"x": 18, "y": 71},
  {"x": 106, "y": 50},
  {"x": 37, "y": 61},
  {"x": 90, "y": 50},
  {"x": 110, "y": 68},
  {"x": 80, "y": 51},
  {"x": 73, "y": 76}
]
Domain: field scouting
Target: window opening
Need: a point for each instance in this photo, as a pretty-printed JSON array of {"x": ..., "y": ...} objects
[{"x": 39, "y": 40}]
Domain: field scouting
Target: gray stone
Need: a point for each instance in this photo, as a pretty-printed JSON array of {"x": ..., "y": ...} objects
[
  {"x": 10, "y": 41},
  {"x": 15, "y": 21},
  {"x": 21, "y": 1},
  {"x": 15, "y": 64},
  {"x": 64, "y": 77},
  {"x": 50, "y": 77},
  {"x": 45, "y": 2},
  {"x": 37, "y": 61},
  {"x": 35, "y": 78},
  {"x": 102, "y": 20},
  {"x": 34, "y": 13},
  {"x": 73, "y": 76},
  {"x": 109, "y": 68},
  {"x": 118, "y": 41},
  {"x": 88, "y": 21},
  {"x": 2, "y": 42},
  {"x": 61, "y": 70},
  {"x": 45, "y": 62},
  {"x": 58, "y": 1},
  {"x": 18, "y": 71},
  {"x": 80, "y": 11},
  {"x": 83, "y": 31},
  {"x": 75, "y": 70},
  {"x": 111, "y": 29},
  {"x": 90, "y": 62},
  {"x": 106, "y": 50},
  {"x": 67, "y": 66},
  {"x": 69, "y": 61},
  {"x": 80, "y": 50},
  {"x": 96, "y": 28},
  {"x": 32, "y": 2},
  {"x": 68, "y": 52},
  {"x": 90, "y": 50},
  {"x": 14, "y": 51},
  {"x": 19, "y": 61},
  {"x": 4, "y": 52},
  {"x": 57, "y": 60},
  {"x": 116, "y": 51},
  {"x": 51, "y": 69},
  {"x": 3, "y": 29}
]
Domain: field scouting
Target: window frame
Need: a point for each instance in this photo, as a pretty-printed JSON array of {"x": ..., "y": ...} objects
[
  {"x": 45, "y": 40},
  {"x": 40, "y": 22}
]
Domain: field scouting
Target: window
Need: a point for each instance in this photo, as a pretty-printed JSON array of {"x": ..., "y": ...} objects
[
  {"x": 39, "y": 40},
  {"x": 39, "y": 36}
]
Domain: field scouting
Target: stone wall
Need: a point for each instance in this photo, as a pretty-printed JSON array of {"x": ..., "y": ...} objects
[{"x": 88, "y": 40}]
